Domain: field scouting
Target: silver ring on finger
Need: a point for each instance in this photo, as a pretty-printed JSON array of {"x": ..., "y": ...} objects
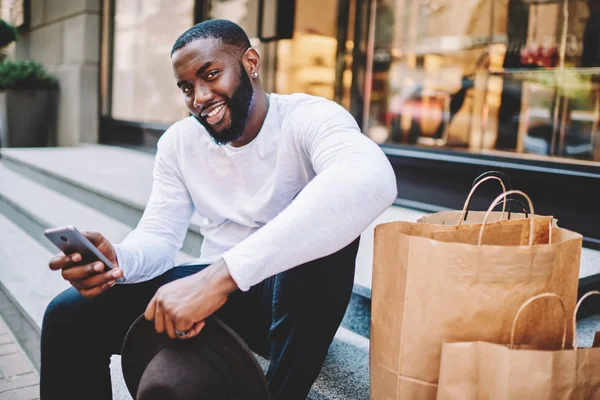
[{"x": 180, "y": 334}]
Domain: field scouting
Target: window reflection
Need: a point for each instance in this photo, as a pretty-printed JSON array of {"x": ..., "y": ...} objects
[
  {"x": 488, "y": 76},
  {"x": 143, "y": 86},
  {"x": 318, "y": 59},
  {"x": 307, "y": 62}
]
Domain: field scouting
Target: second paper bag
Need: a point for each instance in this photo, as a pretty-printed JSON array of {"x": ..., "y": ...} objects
[{"x": 489, "y": 371}]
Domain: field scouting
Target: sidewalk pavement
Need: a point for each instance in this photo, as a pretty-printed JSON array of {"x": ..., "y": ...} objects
[{"x": 18, "y": 379}]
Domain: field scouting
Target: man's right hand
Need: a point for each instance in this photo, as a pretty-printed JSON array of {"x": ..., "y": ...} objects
[{"x": 89, "y": 279}]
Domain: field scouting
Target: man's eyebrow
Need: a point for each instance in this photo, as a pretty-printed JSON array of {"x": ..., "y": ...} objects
[
  {"x": 199, "y": 72},
  {"x": 204, "y": 67}
]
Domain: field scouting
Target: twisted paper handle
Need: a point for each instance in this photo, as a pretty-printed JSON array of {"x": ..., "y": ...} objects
[
  {"x": 468, "y": 200},
  {"x": 495, "y": 203},
  {"x": 531, "y": 300},
  {"x": 585, "y": 296}
]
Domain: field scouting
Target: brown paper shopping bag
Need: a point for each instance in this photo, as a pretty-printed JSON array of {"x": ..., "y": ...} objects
[
  {"x": 488, "y": 371},
  {"x": 426, "y": 291},
  {"x": 466, "y": 216}
]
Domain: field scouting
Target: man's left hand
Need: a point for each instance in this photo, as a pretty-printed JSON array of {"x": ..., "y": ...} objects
[{"x": 184, "y": 304}]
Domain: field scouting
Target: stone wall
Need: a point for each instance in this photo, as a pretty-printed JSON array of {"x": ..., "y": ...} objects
[{"x": 65, "y": 37}]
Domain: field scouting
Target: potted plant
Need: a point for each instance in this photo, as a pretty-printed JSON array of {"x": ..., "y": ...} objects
[{"x": 28, "y": 98}]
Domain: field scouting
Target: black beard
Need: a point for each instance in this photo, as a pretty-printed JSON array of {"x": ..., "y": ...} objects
[{"x": 239, "y": 106}]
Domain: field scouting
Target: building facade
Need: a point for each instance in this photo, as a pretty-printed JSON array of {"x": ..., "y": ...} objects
[{"x": 448, "y": 88}]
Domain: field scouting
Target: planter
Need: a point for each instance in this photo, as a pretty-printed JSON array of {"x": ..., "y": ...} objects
[{"x": 28, "y": 118}]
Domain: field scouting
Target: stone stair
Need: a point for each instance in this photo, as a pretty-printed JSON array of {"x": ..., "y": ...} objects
[
  {"x": 105, "y": 189},
  {"x": 116, "y": 183}
]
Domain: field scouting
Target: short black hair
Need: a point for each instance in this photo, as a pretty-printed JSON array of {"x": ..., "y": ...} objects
[{"x": 229, "y": 33}]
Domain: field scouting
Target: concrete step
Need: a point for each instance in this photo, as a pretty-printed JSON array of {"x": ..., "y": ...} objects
[
  {"x": 31, "y": 285},
  {"x": 112, "y": 180},
  {"x": 117, "y": 182},
  {"x": 35, "y": 207},
  {"x": 27, "y": 286}
]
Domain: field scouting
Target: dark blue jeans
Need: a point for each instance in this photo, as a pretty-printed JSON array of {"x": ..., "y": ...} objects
[{"x": 290, "y": 318}]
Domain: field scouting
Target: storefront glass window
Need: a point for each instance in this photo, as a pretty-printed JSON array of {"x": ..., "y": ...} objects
[
  {"x": 306, "y": 63},
  {"x": 317, "y": 60},
  {"x": 508, "y": 77},
  {"x": 143, "y": 87}
]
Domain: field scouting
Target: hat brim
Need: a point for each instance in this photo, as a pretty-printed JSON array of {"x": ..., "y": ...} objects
[{"x": 142, "y": 343}]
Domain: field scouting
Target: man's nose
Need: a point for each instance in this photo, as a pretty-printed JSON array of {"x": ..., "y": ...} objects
[{"x": 201, "y": 96}]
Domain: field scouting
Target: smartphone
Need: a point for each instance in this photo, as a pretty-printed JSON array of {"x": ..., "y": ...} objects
[{"x": 70, "y": 240}]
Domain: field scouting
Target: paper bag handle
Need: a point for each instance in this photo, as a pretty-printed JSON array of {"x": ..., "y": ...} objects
[
  {"x": 463, "y": 214},
  {"x": 531, "y": 300},
  {"x": 585, "y": 296},
  {"x": 498, "y": 174},
  {"x": 495, "y": 203}
]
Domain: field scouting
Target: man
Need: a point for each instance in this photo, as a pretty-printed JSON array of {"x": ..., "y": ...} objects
[{"x": 284, "y": 186}]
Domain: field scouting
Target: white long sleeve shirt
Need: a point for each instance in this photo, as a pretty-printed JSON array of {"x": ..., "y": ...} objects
[{"x": 304, "y": 188}]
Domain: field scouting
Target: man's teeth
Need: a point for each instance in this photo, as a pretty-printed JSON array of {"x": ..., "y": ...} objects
[{"x": 216, "y": 110}]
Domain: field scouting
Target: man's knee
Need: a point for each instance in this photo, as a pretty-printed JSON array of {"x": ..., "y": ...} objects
[{"x": 62, "y": 310}]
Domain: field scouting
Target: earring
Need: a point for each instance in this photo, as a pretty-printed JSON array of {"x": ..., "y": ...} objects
[{"x": 255, "y": 75}]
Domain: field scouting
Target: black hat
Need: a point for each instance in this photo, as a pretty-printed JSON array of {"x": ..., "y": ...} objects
[{"x": 214, "y": 365}]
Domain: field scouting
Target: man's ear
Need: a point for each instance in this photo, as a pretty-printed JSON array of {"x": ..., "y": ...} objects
[{"x": 251, "y": 61}]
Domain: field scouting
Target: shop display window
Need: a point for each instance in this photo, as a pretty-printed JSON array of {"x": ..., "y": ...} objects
[{"x": 507, "y": 77}]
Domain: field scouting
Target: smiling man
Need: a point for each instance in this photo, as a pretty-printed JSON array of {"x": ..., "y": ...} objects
[{"x": 284, "y": 186}]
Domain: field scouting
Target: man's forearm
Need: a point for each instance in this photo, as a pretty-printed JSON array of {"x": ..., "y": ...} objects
[{"x": 220, "y": 277}]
